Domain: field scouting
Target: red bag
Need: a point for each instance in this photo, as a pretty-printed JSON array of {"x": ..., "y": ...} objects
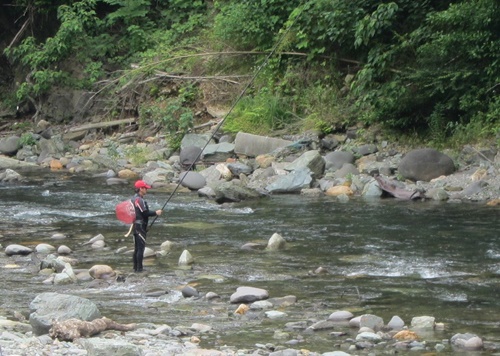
[{"x": 125, "y": 212}]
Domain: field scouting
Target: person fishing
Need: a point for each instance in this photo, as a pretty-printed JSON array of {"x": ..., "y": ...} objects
[{"x": 142, "y": 215}]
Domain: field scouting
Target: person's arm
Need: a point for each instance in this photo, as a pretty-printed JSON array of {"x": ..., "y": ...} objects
[{"x": 146, "y": 213}]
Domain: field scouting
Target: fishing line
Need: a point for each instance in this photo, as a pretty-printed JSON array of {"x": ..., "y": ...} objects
[{"x": 240, "y": 96}]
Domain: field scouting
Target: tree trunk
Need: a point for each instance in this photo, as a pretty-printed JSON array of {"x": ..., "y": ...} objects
[
  {"x": 397, "y": 192},
  {"x": 71, "y": 329}
]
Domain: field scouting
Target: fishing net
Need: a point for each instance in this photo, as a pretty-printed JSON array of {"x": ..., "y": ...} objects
[{"x": 125, "y": 212}]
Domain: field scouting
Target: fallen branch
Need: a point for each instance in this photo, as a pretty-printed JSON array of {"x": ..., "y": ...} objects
[
  {"x": 397, "y": 192},
  {"x": 224, "y": 78},
  {"x": 71, "y": 329},
  {"x": 100, "y": 125},
  {"x": 19, "y": 34}
]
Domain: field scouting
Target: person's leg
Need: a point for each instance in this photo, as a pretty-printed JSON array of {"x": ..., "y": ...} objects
[
  {"x": 136, "y": 246},
  {"x": 140, "y": 246}
]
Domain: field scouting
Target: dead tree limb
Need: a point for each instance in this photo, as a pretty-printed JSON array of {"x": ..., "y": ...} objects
[
  {"x": 71, "y": 329},
  {"x": 101, "y": 125},
  {"x": 222, "y": 78},
  {"x": 391, "y": 188},
  {"x": 19, "y": 34}
]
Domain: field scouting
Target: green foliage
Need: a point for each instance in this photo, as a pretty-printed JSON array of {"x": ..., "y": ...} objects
[
  {"x": 136, "y": 155},
  {"x": 251, "y": 24},
  {"x": 448, "y": 66},
  {"x": 326, "y": 26},
  {"x": 173, "y": 113},
  {"x": 42, "y": 59},
  {"x": 128, "y": 11},
  {"x": 27, "y": 139},
  {"x": 260, "y": 114},
  {"x": 428, "y": 67},
  {"x": 375, "y": 23}
]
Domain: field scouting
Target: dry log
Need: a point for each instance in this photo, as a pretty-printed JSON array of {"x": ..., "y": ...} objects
[
  {"x": 389, "y": 187},
  {"x": 100, "y": 125},
  {"x": 71, "y": 329}
]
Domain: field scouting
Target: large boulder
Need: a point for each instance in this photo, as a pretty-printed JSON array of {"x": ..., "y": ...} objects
[
  {"x": 425, "y": 164},
  {"x": 218, "y": 152},
  {"x": 335, "y": 160},
  {"x": 7, "y": 162},
  {"x": 311, "y": 160},
  {"x": 192, "y": 180},
  {"x": 10, "y": 145},
  {"x": 254, "y": 145},
  {"x": 47, "y": 307},
  {"x": 190, "y": 155},
  {"x": 292, "y": 182},
  {"x": 228, "y": 192},
  {"x": 196, "y": 140}
]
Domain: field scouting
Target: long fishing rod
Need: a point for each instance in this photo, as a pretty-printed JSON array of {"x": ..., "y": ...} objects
[{"x": 219, "y": 125}]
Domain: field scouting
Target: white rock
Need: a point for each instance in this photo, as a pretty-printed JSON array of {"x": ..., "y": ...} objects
[
  {"x": 64, "y": 250},
  {"x": 186, "y": 259},
  {"x": 276, "y": 242},
  {"x": 44, "y": 248}
]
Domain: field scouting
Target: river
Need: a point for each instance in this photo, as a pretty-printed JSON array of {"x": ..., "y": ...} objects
[{"x": 384, "y": 257}]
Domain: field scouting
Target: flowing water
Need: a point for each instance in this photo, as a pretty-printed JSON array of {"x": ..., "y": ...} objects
[{"x": 383, "y": 257}]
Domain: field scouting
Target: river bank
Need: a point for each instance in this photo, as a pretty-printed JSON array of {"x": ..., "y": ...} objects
[{"x": 336, "y": 165}]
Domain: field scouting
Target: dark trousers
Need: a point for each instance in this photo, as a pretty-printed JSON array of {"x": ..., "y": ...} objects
[{"x": 139, "y": 247}]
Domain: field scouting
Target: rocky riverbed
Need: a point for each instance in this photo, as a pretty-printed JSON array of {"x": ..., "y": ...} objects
[
  {"x": 248, "y": 167},
  {"x": 237, "y": 167}
]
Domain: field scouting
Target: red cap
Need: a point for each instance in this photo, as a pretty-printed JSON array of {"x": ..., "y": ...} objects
[{"x": 141, "y": 184}]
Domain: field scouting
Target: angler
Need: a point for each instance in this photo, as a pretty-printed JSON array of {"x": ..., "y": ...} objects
[{"x": 140, "y": 225}]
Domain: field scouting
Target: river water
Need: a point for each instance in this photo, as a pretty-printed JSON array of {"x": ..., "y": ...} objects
[{"x": 383, "y": 257}]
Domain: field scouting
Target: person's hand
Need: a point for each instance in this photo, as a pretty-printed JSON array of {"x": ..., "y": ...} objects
[{"x": 158, "y": 212}]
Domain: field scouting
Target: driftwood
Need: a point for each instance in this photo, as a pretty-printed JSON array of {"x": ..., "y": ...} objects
[
  {"x": 71, "y": 329},
  {"x": 389, "y": 187},
  {"x": 101, "y": 125}
]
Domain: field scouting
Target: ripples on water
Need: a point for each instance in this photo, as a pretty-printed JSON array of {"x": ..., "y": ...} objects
[{"x": 384, "y": 257}]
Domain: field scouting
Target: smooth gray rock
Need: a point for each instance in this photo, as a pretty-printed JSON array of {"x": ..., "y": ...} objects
[
  {"x": 9, "y": 145},
  {"x": 109, "y": 347},
  {"x": 248, "y": 295},
  {"x": 396, "y": 323},
  {"x": 231, "y": 191},
  {"x": 7, "y": 162},
  {"x": 10, "y": 176},
  {"x": 238, "y": 168},
  {"x": 371, "y": 321},
  {"x": 276, "y": 242},
  {"x": 425, "y": 164},
  {"x": 218, "y": 152},
  {"x": 54, "y": 306},
  {"x": 340, "y": 315},
  {"x": 292, "y": 182},
  {"x": 192, "y": 180},
  {"x": 467, "y": 341},
  {"x": 196, "y": 140},
  {"x": 254, "y": 145},
  {"x": 345, "y": 170},
  {"x": 189, "y": 156},
  {"x": 311, "y": 160},
  {"x": 367, "y": 149},
  {"x": 335, "y": 160},
  {"x": 188, "y": 292},
  {"x": 423, "y": 322},
  {"x": 15, "y": 249}
]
